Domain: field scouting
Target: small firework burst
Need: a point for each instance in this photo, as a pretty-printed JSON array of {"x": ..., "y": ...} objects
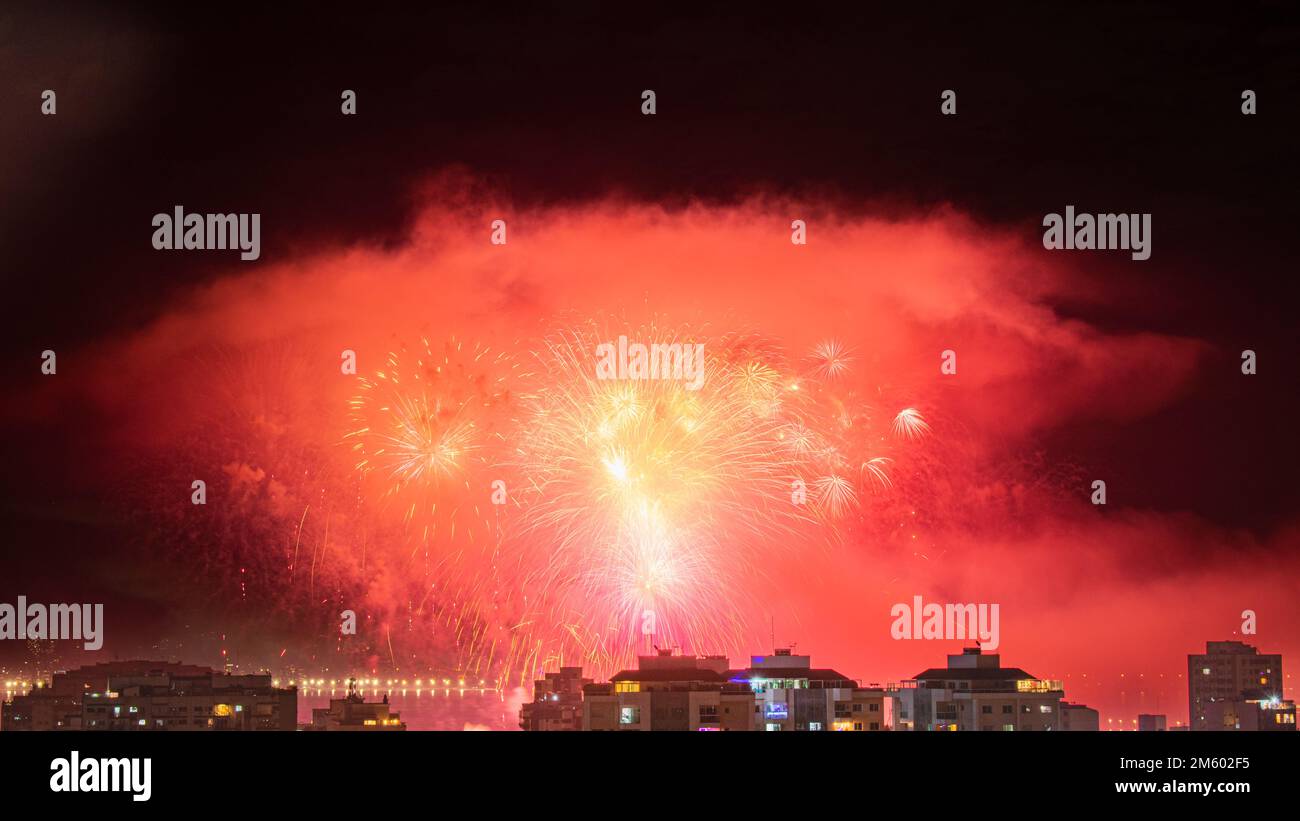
[
  {"x": 830, "y": 359},
  {"x": 910, "y": 425}
]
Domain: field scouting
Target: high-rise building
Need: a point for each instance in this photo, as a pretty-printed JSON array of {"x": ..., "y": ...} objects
[
  {"x": 670, "y": 692},
  {"x": 557, "y": 702},
  {"x": 794, "y": 695},
  {"x": 974, "y": 692},
  {"x": 1229, "y": 671}
]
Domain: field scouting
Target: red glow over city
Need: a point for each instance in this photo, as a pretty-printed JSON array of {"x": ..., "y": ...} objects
[{"x": 972, "y": 486}]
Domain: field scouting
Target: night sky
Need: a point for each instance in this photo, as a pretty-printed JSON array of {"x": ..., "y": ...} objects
[{"x": 1081, "y": 365}]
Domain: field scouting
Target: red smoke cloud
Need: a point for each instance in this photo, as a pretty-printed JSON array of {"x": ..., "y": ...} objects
[{"x": 1110, "y": 599}]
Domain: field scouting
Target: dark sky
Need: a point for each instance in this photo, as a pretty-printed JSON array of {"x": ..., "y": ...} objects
[{"x": 1109, "y": 107}]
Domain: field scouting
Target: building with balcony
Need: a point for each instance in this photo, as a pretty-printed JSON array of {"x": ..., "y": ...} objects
[
  {"x": 670, "y": 692},
  {"x": 794, "y": 695},
  {"x": 974, "y": 692}
]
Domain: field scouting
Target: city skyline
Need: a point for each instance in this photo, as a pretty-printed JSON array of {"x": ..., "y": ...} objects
[{"x": 333, "y": 683}]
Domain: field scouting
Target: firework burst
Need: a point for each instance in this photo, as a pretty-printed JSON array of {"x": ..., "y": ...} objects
[
  {"x": 831, "y": 359},
  {"x": 909, "y": 424},
  {"x": 650, "y": 498},
  {"x": 428, "y": 428}
]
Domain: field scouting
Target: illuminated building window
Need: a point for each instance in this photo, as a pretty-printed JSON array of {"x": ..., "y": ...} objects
[
  {"x": 627, "y": 686},
  {"x": 629, "y": 715}
]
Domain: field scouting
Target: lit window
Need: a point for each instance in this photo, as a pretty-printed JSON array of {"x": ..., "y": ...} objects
[{"x": 629, "y": 715}]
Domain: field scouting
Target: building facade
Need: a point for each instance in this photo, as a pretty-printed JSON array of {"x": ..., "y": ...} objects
[
  {"x": 974, "y": 692},
  {"x": 693, "y": 693},
  {"x": 794, "y": 695},
  {"x": 1229, "y": 671},
  {"x": 353, "y": 713},
  {"x": 557, "y": 702},
  {"x": 1253, "y": 711},
  {"x": 216, "y": 701},
  {"x": 1079, "y": 718},
  {"x": 1152, "y": 723},
  {"x": 58, "y": 705},
  {"x": 670, "y": 692}
]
